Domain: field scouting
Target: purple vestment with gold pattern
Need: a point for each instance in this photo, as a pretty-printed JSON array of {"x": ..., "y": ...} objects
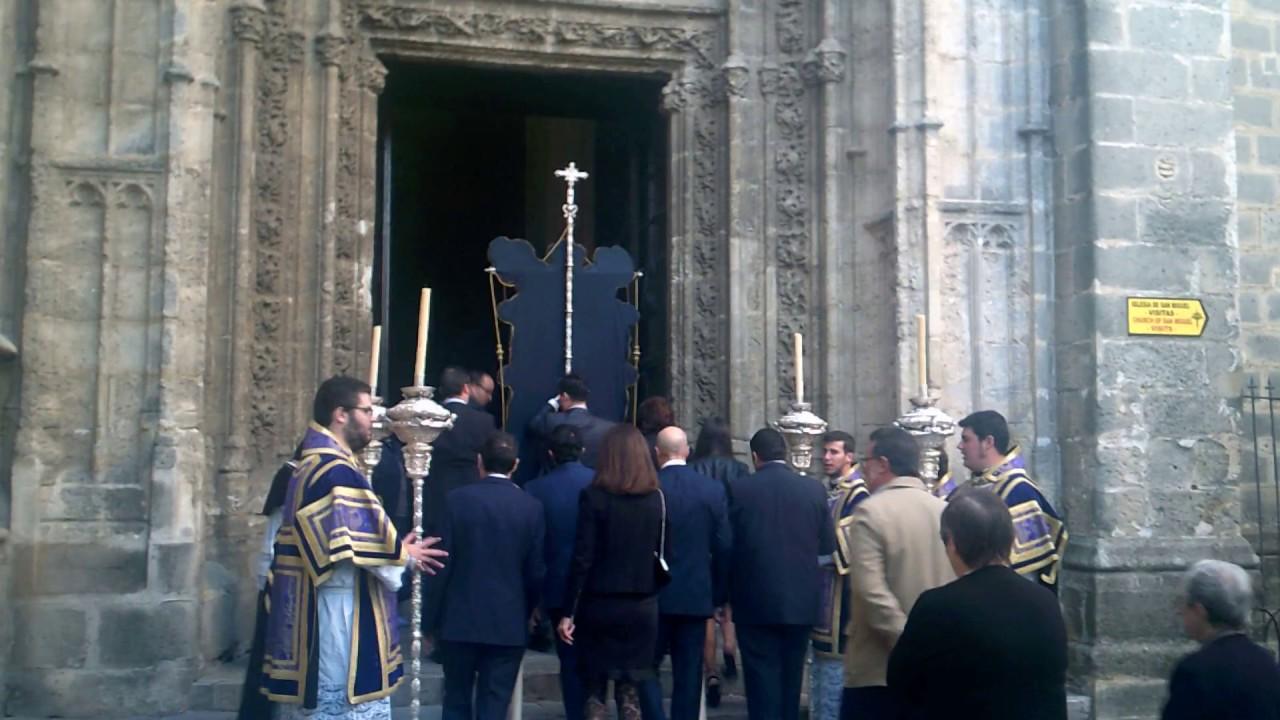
[{"x": 331, "y": 515}]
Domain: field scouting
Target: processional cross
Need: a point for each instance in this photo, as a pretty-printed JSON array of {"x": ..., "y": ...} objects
[{"x": 571, "y": 175}]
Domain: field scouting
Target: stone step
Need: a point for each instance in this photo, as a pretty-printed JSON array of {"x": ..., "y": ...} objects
[{"x": 218, "y": 691}]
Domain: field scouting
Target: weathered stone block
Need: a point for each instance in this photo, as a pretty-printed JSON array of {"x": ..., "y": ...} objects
[
  {"x": 1181, "y": 125},
  {"x": 82, "y": 568},
  {"x": 1244, "y": 149},
  {"x": 1184, "y": 222},
  {"x": 1115, "y": 217},
  {"x": 1112, "y": 119},
  {"x": 142, "y": 636},
  {"x": 162, "y": 689},
  {"x": 1268, "y": 149},
  {"x": 1136, "y": 73},
  {"x": 1209, "y": 175},
  {"x": 1260, "y": 269},
  {"x": 1104, "y": 25},
  {"x": 1264, "y": 72},
  {"x": 1143, "y": 268},
  {"x": 1254, "y": 110},
  {"x": 1260, "y": 347},
  {"x": 1178, "y": 28},
  {"x": 1239, "y": 73},
  {"x": 1249, "y": 35},
  {"x": 1256, "y": 188},
  {"x": 50, "y": 636},
  {"x": 1273, "y": 306},
  {"x": 1150, "y": 364},
  {"x": 1175, "y": 466},
  {"x": 1250, "y": 308},
  {"x": 174, "y": 567}
]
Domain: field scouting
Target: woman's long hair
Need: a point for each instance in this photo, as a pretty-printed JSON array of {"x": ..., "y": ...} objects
[
  {"x": 655, "y": 414},
  {"x": 714, "y": 439},
  {"x": 625, "y": 466}
]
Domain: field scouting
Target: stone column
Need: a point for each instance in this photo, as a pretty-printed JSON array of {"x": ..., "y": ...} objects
[
  {"x": 1150, "y": 448},
  {"x": 329, "y": 47},
  {"x": 746, "y": 248}
]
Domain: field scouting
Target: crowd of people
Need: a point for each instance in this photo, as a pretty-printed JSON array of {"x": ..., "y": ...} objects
[{"x": 906, "y": 599}]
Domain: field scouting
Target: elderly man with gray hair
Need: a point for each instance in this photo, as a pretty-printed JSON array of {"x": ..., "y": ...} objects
[{"x": 1230, "y": 676}]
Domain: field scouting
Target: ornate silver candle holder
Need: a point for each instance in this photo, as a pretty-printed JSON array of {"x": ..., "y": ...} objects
[
  {"x": 931, "y": 426},
  {"x": 372, "y": 453},
  {"x": 801, "y": 428},
  {"x": 418, "y": 421}
]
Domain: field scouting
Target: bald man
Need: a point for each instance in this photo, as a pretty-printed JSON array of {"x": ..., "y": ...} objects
[{"x": 698, "y": 520}]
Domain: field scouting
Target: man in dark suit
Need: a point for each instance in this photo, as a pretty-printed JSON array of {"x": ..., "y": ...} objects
[
  {"x": 453, "y": 462},
  {"x": 569, "y": 407},
  {"x": 558, "y": 492},
  {"x": 781, "y": 529},
  {"x": 988, "y": 645},
  {"x": 698, "y": 518},
  {"x": 1230, "y": 676},
  {"x": 494, "y": 533}
]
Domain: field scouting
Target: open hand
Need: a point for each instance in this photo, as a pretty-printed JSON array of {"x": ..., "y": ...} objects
[
  {"x": 566, "y": 630},
  {"x": 424, "y": 554}
]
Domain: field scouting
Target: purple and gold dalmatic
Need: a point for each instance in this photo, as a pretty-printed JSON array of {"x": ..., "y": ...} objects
[
  {"x": 828, "y": 634},
  {"x": 331, "y": 515},
  {"x": 1039, "y": 535}
]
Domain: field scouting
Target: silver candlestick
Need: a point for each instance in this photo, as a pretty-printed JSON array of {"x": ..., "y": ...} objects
[
  {"x": 801, "y": 428},
  {"x": 372, "y": 453},
  {"x": 931, "y": 426},
  {"x": 418, "y": 421}
]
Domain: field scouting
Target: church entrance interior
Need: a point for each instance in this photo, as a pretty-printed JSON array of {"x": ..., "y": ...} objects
[{"x": 467, "y": 153}]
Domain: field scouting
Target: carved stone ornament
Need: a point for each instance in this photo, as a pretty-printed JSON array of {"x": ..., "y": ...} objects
[
  {"x": 675, "y": 95},
  {"x": 486, "y": 27},
  {"x": 247, "y": 23},
  {"x": 373, "y": 74},
  {"x": 736, "y": 76},
  {"x": 330, "y": 48},
  {"x": 826, "y": 62}
]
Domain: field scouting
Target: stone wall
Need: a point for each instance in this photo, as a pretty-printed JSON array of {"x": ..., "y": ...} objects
[
  {"x": 1143, "y": 204},
  {"x": 109, "y": 453},
  {"x": 1255, "y": 75},
  {"x": 14, "y": 24}
]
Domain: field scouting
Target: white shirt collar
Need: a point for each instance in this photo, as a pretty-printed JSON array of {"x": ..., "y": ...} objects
[
  {"x": 674, "y": 462},
  {"x": 500, "y": 476},
  {"x": 455, "y": 399},
  {"x": 577, "y": 405}
]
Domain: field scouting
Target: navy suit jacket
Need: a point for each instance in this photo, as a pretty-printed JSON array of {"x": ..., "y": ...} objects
[
  {"x": 495, "y": 569},
  {"x": 590, "y": 427},
  {"x": 453, "y": 462},
  {"x": 558, "y": 492},
  {"x": 781, "y": 525},
  {"x": 698, "y": 519}
]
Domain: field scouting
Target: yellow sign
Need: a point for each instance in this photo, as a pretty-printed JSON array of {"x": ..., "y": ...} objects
[{"x": 1177, "y": 317}]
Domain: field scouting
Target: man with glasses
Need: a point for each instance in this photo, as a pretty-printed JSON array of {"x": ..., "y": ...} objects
[
  {"x": 894, "y": 557},
  {"x": 338, "y": 562}
]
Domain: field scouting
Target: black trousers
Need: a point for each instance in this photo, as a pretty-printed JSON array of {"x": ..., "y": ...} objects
[
  {"x": 480, "y": 677},
  {"x": 682, "y": 637},
  {"x": 868, "y": 703},
  {"x": 773, "y": 669}
]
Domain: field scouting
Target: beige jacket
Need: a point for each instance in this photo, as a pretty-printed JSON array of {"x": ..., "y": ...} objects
[{"x": 896, "y": 554}]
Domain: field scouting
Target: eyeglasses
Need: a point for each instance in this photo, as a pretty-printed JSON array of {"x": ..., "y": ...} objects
[{"x": 366, "y": 409}]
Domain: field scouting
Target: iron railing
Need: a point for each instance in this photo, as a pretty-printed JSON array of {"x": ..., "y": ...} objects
[{"x": 1260, "y": 401}]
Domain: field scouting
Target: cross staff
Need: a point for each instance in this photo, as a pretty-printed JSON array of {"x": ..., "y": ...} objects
[{"x": 571, "y": 175}]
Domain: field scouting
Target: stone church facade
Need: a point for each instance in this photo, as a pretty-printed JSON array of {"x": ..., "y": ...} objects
[{"x": 188, "y": 192}]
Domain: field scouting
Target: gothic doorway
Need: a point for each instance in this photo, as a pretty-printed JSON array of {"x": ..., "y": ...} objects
[{"x": 466, "y": 153}]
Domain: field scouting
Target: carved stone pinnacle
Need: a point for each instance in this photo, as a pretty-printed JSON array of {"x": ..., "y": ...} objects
[{"x": 248, "y": 22}]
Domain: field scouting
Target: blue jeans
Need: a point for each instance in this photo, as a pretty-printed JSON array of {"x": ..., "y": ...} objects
[{"x": 681, "y": 636}]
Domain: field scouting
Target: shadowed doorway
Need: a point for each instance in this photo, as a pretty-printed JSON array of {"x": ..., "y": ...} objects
[{"x": 467, "y": 154}]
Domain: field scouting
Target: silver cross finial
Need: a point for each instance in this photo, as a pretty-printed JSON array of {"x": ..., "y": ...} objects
[{"x": 571, "y": 174}]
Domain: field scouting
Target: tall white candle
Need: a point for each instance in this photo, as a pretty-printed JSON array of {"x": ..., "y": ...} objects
[
  {"x": 420, "y": 357},
  {"x": 798, "y": 340},
  {"x": 375, "y": 359}
]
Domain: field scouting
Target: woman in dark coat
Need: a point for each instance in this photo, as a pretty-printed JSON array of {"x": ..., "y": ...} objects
[
  {"x": 713, "y": 457},
  {"x": 614, "y": 577}
]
